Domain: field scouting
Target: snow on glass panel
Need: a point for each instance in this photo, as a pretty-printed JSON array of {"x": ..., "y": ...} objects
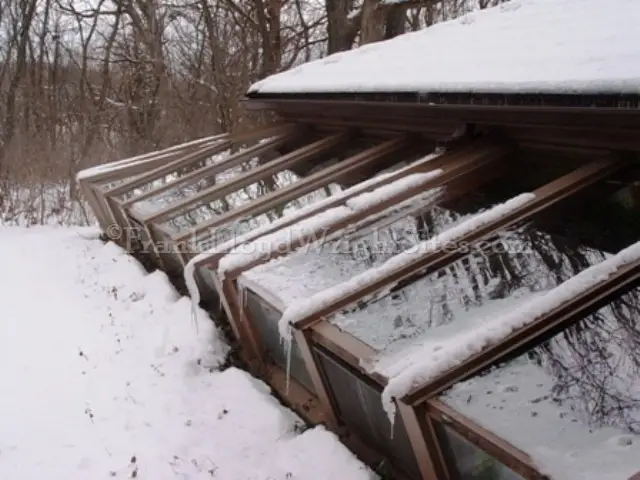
[
  {"x": 573, "y": 402},
  {"x": 240, "y": 198},
  {"x": 336, "y": 258}
]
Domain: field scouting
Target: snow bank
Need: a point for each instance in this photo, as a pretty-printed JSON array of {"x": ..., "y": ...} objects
[
  {"x": 108, "y": 378},
  {"x": 304, "y": 308},
  {"x": 532, "y": 46},
  {"x": 407, "y": 372}
]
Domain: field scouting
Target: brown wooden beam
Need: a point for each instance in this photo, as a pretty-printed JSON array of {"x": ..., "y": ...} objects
[
  {"x": 176, "y": 208},
  {"x": 573, "y": 117},
  {"x": 424, "y": 442}
]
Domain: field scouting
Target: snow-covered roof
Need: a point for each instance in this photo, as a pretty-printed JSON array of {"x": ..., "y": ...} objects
[{"x": 523, "y": 46}]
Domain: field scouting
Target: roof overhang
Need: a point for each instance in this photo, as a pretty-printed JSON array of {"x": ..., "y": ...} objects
[{"x": 609, "y": 122}]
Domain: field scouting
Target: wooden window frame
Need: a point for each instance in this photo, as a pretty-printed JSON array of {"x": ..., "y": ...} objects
[
  {"x": 229, "y": 288},
  {"x": 143, "y": 169},
  {"x": 304, "y": 186},
  {"x": 464, "y": 171},
  {"x": 413, "y": 413}
]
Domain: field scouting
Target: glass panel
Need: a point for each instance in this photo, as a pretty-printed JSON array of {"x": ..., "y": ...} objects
[
  {"x": 412, "y": 308},
  {"x": 266, "y": 322},
  {"x": 180, "y": 192},
  {"x": 518, "y": 264},
  {"x": 572, "y": 403},
  {"x": 230, "y": 231},
  {"x": 332, "y": 260},
  {"x": 247, "y": 195},
  {"x": 470, "y": 462},
  {"x": 240, "y": 198},
  {"x": 360, "y": 407}
]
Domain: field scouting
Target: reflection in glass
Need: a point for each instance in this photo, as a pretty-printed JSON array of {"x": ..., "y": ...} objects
[
  {"x": 517, "y": 264},
  {"x": 470, "y": 462},
  {"x": 330, "y": 261},
  {"x": 265, "y": 320},
  {"x": 572, "y": 403},
  {"x": 359, "y": 405}
]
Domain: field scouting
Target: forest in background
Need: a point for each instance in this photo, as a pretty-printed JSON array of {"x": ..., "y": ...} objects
[{"x": 84, "y": 82}]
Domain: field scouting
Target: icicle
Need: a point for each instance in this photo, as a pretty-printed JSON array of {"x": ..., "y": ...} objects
[
  {"x": 389, "y": 406},
  {"x": 192, "y": 287},
  {"x": 287, "y": 346}
]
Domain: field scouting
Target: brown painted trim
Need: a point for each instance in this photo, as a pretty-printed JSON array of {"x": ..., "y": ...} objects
[
  {"x": 229, "y": 304},
  {"x": 545, "y": 196},
  {"x": 159, "y": 173},
  {"x": 87, "y": 190},
  {"x": 478, "y": 114},
  {"x": 243, "y": 323},
  {"x": 512, "y": 457},
  {"x": 345, "y": 346},
  {"x": 266, "y": 170},
  {"x": 417, "y": 167},
  {"x": 162, "y": 157},
  {"x": 303, "y": 341}
]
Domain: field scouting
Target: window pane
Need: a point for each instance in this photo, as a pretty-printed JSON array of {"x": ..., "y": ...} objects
[
  {"x": 573, "y": 403},
  {"x": 360, "y": 407},
  {"x": 265, "y": 319},
  {"x": 330, "y": 261},
  {"x": 518, "y": 265},
  {"x": 470, "y": 462}
]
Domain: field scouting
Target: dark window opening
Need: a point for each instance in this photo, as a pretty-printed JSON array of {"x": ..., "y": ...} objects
[
  {"x": 265, "y": 320},
  {"x": 359, "y": 405},
  {"x": 468, "y": 462}
]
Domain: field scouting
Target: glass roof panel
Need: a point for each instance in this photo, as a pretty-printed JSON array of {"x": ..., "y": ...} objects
[{"x": 572, "y": 403}]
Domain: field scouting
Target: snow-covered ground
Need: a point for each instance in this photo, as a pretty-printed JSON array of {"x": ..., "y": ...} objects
[{"x": 106, "y": 373}]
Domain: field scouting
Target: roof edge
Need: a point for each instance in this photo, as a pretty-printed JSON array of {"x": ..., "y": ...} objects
[{"x": 526, "y": 99}]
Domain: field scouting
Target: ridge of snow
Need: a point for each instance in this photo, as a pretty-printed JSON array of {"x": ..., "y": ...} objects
[
  {"x": 525, "y": 46},
  {"x": 306, "y": 307},
  {"x": 407, "y": 372},
  {"x": 316, "y": 266},
  {"x": 249, "y": 252},
  {"x": 273, "y": 227},
  {"x": 144, "y": 158}
]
